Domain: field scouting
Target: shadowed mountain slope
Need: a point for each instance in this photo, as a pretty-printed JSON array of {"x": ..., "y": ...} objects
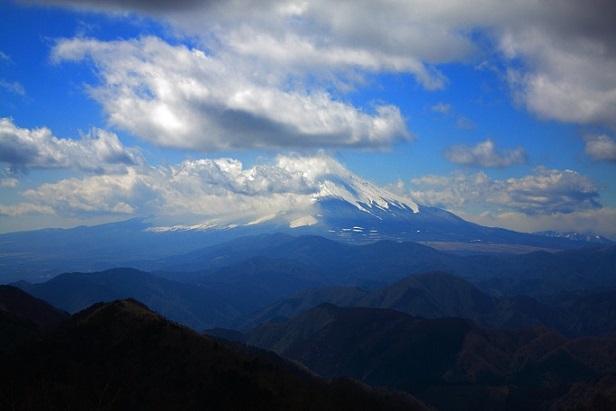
[
  {"x": 197, "y": 307},
  {"x": 121, "y": 355},
  {"x": 450, "y": 363},
  {"x": 23, "y": 317}
]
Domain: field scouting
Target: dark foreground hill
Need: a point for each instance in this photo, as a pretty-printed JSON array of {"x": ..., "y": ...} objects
[
  {"x": 121, "y": 355},
  {"x": 450, "y": 363}
]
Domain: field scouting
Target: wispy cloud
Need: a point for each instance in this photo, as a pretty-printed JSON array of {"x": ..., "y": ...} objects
[
  {"x": 442, "y": 108},
  {"x": 5, "y": 58},
  {"x": 13, "y": 87},
  {"x": 447, "y": 110},
  {"x": 485, "y": 154}
]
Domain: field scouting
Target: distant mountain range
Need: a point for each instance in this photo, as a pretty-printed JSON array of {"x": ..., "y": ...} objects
[
  {"x": 346, "y": 208},
  {"x": 247, "y": 281},
  {"x": 449, "y": 363},
  {"x": 439, "y": 295}
]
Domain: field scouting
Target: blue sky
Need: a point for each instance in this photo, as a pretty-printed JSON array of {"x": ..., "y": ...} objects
[{"x": 502, "y": 113}]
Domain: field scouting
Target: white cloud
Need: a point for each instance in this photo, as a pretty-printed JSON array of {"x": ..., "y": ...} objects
[
  {"x": 485, "y": 154},
  {"x": 180, "y": 97},
  {"x": 98, "y": 151},
  {"x": 560, "y": 58},
  {"x": 542, "y": 193},
  {"x": 600, "y": 147},
  {"x": 223, "y": 188},
  {"x": 563, "y": 64},
  {"x": 205, "y": 189},
  {"x": 93, "y": 194},
  {"x": 560, "y": 200}
]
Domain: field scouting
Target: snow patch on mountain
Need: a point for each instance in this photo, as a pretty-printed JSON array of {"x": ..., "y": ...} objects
[
  {"x": 303, "y": 221},
  {"x": 198, "y": 227}
]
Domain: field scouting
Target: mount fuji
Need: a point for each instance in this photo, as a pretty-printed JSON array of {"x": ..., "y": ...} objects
[
  {"x": 345, "y": 207},
  {"x": 348, "y": 208}
]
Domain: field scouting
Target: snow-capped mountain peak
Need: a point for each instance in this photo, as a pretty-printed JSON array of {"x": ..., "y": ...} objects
[{"x": 362, "y": 194}]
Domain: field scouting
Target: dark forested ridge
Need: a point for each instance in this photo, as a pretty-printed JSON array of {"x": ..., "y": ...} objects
[{"x": 121, "y": 355}]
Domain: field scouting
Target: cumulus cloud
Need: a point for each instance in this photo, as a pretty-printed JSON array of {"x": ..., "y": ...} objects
[
  {"x": 559, "y": 61},
  {"x": 94, "y": 194},
  {"x": 545, "y": 191},
  {"x": 181, "y": 97},
  {"x": 204, "y": 189},
  {"x": 485, "y": 154},
  {"x": 319, "y": 37},
  {"x": 563, "y": 64},
  {"x": 600, "y": 147},
  {"x": 23, "y": 149}
]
